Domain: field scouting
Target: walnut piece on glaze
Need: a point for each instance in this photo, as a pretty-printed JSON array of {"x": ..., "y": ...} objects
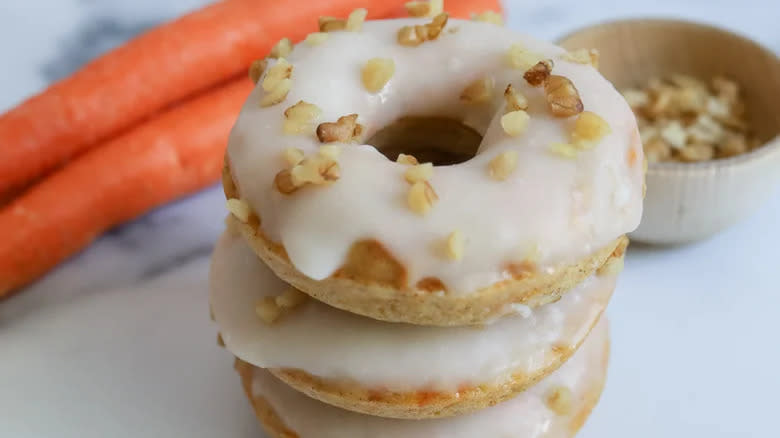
[
  {"x": 564, "y": 150},
  {"x": 256, "y": 70},
  {"x": 290, "y": 299},
  {"x": 589, "y": 129},
  {"x": 267, "y": 310},
  {"x": 538, "y": 74},
  {"x": 355, "y": 20},
  {"x": 478, "y": 91},
  {"x": 489, "y": 17},
  {"x": 331, "y": 24},
  {"x": 316, "y": 170},
  {"x": 277, "y": 94},
  {"x": 346, "y": 129},
  {"x": 271, "y": 309},
  {"x": 503, "y": 165},
  {"x": 521, "y": 58},
  {"x": 562, "y": 96},
  {"x": 300, "y": 117},
  {"x": 281, "y": 70},
  {"x": 331, "y": 151},
  {"x": 429, "y": 8},
  {"x": 281, "y": 49},
  {"x": 560, "y": 400},
  {"x": 582, "y": 56},
  {"x": 421, "y": 197},
  {"x": 412, "y": 36},
  {"x": 406, "y": 159},
  {"x": 316, "y": 38},
  {"x": 239, "y": 208},
  {"x": 455, "y": 245},
  {"x": 376, "y": 73},
  {"x": 419, "y": 173},
  {"x": 515, "y": 123},
  {"x": 514, "y": 99},
  {"x": 293, "y": 156}
]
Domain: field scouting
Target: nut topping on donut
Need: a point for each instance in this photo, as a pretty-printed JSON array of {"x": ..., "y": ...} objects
[
  {"x": 539, "y": 73},
  {"x": 270, "y": 309},
  {"x": 515, "y": 122},
  {"x": 564, "y": 150},
  {"x": 412, "y": 36},
  {"x": 355, "y": 20},
  {"x": 407, "y": 159},
  {"x": 293, "y": 156},
  {"x": 589, "y": 128},
  {"x": 332, "y": 24},
  {"x": 239, "y": 208},
  {"x": 424, "y": 8},
  {"x": 344, "y": 130},
  {"x": 376, "y": 73},
  {"x": 455, "y": 243},
  {"x": 281, "y": 49},
  {"x": 562, "y": 96},
  {"x": 503, "y": 165},
  {"x": 300, "y": 117},
  {"x": 421, "y": 197},
  {"x": 317, "y": 170},
  {"x": 316, "y": 38},
  {"x": 514, "y": 100},
  {"x": 256, "y": 70},
  {"x": 331, "y": 151},
  {"x": 419, "y": 173},
  {"x": 481, "y": 90},
  {"x": 278, "y": 94},
  {"x": 559, "y": 400},
  {"x": 583, "y": 56},
  {"x": 489, "y": 17},
  {"x": 278, "y": 72},
  {"x": 520, "y": 58},
  {"x": 267, "y": 310}
]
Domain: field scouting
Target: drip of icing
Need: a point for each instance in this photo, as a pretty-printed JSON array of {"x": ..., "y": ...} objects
[
  {"x": 526, "y": 415},
  {"x": 330, "y": 343}
]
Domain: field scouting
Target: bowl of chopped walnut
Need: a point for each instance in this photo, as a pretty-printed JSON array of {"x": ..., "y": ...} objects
[{"x": 707, "y": 103}]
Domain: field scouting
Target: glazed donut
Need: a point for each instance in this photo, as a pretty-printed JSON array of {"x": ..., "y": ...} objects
[
  {"x": 556, "y": 407},
  {"x": 537, "y": 170},
  {"x": 394, "y": 370}
]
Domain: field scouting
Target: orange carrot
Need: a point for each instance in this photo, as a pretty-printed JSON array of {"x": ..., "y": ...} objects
[
  {"x": 176, "y": 153},
  {"x": 162, "y": 66}
]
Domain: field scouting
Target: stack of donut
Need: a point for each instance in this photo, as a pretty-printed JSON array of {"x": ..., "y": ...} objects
[{"x": 427, "y": 220}]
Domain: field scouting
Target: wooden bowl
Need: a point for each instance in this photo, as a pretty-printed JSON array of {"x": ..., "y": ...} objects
[{"x": 690, "y": 201}]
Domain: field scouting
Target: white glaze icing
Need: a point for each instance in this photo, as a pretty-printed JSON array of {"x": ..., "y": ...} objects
[
  {"x": 566, "y": 208},
  {"x": 331, "y": 343},
  {"x": 525, "y": 416}
]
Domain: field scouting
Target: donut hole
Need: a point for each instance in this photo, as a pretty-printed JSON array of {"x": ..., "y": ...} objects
[{"x": 438, "y": 140}]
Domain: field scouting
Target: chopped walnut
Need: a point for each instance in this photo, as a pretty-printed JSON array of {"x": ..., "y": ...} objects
[
  {"x": 281, "y": 49},
  {"x": 515, "y": 123},
  {"x": 489, "y": 17},
  {"x": 317, "y": 170},
  {"x": 331, "y": 151},
  {"x": 278, "y": 94},
  {"x": 293, "y": 156},
  {"x": 419, "y": 173},
  {"x": 332, "y": 24},
  {"x": 316, "y": 38},
  {"x": 421, "y": 197},
  {"x": 560, "y": 400},
  {"x": 514, "y": 99},
  {"x": 300, "y": 117},
  {"x": 564, "y": 150},
  {"x": 429, "y": 8},
  {"x": 455, "y": 244},
  {"x": 267, "y": 310},
  {"x": 589, "y": 129},
  {"x": 277, "y": 73},
  {"x": 521, "y": 58},
  {"x": 345, "y": 130},
  {"x": 538, "y": 74},
  {"x": 583, "y": 56},
  {"x": 407, "y": 159},
  {"x": 256, "y": 70},
  {"x": 376, "y": 73},
  {"x": 284, "y": 183},
  {"x": 562, "y": 96},
  {"x": 412, "y": 36},
  {"x": 355, "y": 20},
  {"x": 290, "y": 299},
  {"x": 503, "y": 165},
  {"x": 681, "y": 116},
  {"x": 239, "y": 208},
  {"x": 479, "y": 91}
]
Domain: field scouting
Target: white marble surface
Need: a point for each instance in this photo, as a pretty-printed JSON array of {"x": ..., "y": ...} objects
[{"x": 117, "y": 342}]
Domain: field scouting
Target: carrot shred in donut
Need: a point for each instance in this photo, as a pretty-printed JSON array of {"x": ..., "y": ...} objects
[{"x": 154, "y": 70}]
